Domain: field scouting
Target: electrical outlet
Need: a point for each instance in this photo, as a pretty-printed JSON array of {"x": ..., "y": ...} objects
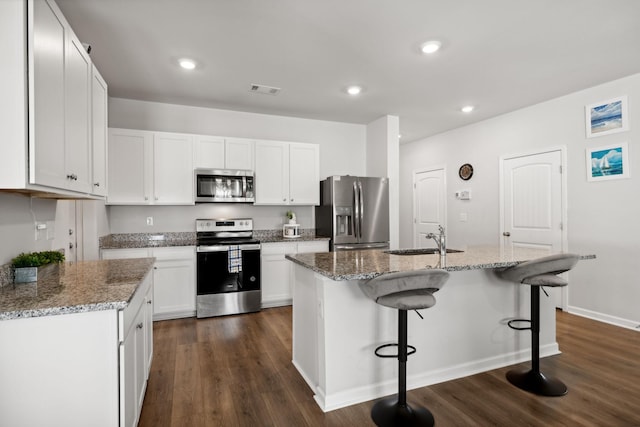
[{"x": 149, "y": 220}]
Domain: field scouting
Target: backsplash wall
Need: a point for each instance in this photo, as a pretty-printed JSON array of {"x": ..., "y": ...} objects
[{"x": 133, "y": 219}]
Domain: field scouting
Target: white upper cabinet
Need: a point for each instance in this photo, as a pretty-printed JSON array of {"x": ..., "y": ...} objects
[
  {"x": 149, "y": 168},
  {"x": 46, "y": 112},
  {"x": 239, "y": 153},
  {"x": 129, "y": 166},
  {"x": 172, "y": 169},
  {"x": 46, "y": 97},
  {"x": 213, "y": 152},
  {"x": 99, "y": 132},
  {"x": 304, "y": 174},
  {"x": 287, "y": 173},
  {"x": 60, "y": 147},
  {"x": 272, "y": 173},
  {"x": 77, "y": 116}
]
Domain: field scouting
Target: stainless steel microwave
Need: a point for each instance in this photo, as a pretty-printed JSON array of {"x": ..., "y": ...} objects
[{"x": 224, "y": 186}]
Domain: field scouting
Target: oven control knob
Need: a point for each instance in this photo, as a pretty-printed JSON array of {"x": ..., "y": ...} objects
[
  {"x": 208, "y": 224},
  {"x": 252, "y": 278}
]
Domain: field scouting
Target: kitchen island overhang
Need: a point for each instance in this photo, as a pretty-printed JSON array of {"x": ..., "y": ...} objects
[{"x": 336, "y": 328}]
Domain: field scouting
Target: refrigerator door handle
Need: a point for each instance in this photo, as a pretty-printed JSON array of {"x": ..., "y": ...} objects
[
  {"x": 361, "y": 202},
  {"x": 356, "y": 212}
]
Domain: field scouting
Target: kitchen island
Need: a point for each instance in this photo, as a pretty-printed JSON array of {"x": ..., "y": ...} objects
[
  {"x": 77, "y": 344},
  {"x": 336, "y": 328}
]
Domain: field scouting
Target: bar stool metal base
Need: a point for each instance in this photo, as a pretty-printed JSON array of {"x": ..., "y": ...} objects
[
  {"x": 537, "y": 382},
  {"x": 390, "y": 413}
]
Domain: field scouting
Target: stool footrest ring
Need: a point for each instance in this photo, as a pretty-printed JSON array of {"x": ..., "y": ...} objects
[
  {"x": 411, "y": 349},
  {"x": 519, "y": 328}
]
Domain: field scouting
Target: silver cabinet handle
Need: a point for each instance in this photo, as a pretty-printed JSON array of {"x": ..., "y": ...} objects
[
  {"x": 156, "y": 197},
  {"x": 139, "y": 325},
  {"x": 506, "y": 234},
  {"x": 292, "y": 200},
  {"x": 97, "y": 184},
  {"x": 284, "y": 200},
  {"x": 149, "y": 302},
  {"x": 146, "y": 198}
]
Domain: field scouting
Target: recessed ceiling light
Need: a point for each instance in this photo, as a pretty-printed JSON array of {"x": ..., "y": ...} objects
[
  {"x": 467, "y": 108},
  {"x": 431, "y": 46},
  {"x": 354, "y": 90},
  {"x": 187, "y": 64}
]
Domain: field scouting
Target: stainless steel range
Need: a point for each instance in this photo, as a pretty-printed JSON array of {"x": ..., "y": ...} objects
[{"x": 228, "y": 267}]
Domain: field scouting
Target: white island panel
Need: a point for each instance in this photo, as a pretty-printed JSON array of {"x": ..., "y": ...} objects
[{"x": 336, "y": 329}]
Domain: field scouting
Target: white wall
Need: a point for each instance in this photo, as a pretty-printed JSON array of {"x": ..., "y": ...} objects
[
  {"x": 383, "y": 160},
  {"x": 18, "y": 216},
  {"x": 342, "y": 152},
  {"x": 602, "y": 216}
]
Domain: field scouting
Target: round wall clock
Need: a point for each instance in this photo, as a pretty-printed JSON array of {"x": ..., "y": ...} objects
[{"x": 466, "y": 171}]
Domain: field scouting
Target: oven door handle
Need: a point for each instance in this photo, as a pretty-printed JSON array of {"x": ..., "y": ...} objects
[{"x": 225, "y": 248}]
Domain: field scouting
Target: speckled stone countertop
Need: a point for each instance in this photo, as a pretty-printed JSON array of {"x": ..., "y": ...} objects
[
  {"x": 167, "y": 239},
  {"x": 75, "y": 288},
  {"x": 362, "y": 265}
]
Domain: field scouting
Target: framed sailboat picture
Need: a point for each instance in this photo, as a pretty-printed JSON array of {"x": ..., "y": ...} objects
[
  {"x": 606, "y": 117},
  {"x": 609, "y": 162}
]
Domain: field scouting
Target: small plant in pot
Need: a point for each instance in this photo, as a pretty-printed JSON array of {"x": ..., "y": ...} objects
[
  {"x": 292, "y": 217},
  {"x": 25, "y": 265}
]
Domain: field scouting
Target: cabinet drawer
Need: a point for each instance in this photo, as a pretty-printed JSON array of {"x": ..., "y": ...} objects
[
  {"x": 315, "y": 246},
  {"x": 278, "y": 248}
]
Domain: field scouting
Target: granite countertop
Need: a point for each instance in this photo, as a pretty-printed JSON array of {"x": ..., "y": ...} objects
[
  {"x": 168, "y": 239},
  {"x": 359, "y": 265},
  {"x": 75, "y": 287}
]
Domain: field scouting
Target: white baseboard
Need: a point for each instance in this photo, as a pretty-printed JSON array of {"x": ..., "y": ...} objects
[
  {"x": 174, "y": 315},
  {"x": 363, "y": 394},
  {"x": 277, "y": 303},
  {"x": 606, "y": 318}
]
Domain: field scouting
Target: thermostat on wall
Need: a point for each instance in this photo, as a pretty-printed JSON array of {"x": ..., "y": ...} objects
[{"x": 463, "y": 195}]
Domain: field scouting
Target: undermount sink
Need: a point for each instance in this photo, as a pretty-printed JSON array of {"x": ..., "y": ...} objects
[{"x": 422, "y": 251}]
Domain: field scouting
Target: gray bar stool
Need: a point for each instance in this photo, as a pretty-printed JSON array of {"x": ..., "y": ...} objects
[
  {"x": 537, "y": 273},
  {"x": 411, "y": 290}
]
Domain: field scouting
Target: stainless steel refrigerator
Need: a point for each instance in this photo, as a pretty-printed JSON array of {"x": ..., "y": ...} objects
[{"x": 354, "y": 212}]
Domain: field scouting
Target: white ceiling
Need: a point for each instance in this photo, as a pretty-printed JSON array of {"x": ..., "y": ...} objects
[{"x": 499, "y": 55}]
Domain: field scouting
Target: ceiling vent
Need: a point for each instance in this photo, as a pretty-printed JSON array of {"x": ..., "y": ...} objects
[{"x": 265, "y": 90}]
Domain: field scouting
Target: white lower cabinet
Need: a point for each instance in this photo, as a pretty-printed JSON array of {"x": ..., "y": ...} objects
[
  {"x": 174, "y": 290},
  {"x": 276, "y": 269},
  {"x": 136, "y": 334}
]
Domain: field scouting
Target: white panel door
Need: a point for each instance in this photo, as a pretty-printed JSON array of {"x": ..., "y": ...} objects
[
  {"x": 304, "y": 174},
  {"x": 533, "y": 205},
  {"x": 272, "y": 173},
  {"x": 172, "y": 169},
  {"x": 99, "y": 132},
  {"x": 77, "y": 116},
  {"x": 239, "y": 154},
  {"x": 47, "y": 133},
  {"x": 532, "y": 200},
  {"x": 130, "y": 173},
  {"x": 429, "y": 204},
  {"x": 209, "y": 152}
]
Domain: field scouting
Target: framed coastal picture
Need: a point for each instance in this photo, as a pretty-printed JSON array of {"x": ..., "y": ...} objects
[
  {"x": 609, "y": 162},
  {"x": 606, "y": 117}
]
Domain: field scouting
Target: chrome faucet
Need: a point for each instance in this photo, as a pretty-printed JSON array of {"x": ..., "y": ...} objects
[{"x": 440, "y": 240}]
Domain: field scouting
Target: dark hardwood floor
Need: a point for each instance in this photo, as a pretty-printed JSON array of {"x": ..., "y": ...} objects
[{"x": 237, "y": 371}]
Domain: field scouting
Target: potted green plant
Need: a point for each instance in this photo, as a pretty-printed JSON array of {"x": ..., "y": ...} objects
[
  {"x": 292, "y": 217},
  {"x": 25, "y": 266}
]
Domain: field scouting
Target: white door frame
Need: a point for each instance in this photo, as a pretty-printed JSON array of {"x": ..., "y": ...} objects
[
  {"x": 413, "y": 192},
  {"x": 564, "y": 217}
]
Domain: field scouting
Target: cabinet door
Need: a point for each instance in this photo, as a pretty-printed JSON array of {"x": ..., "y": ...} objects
[
  {"x": 172, "y": 169},
  {"x": 128, "y": 379},
  {"x": 46, "y": 124},
  {"x": 99, "y": 132},
  {"x": 313, "y": 246},
  {"x": 304, "y": 175},
  {"x": 174, "y": 291},
  {"x": 130, "y": 176},
  {"x": 77, "y": 109},
  {"x": 140, "y": 360},
  {"x": 124, "y": 253},
  {"x": 272, "y": 173},
  {"x": 209, "y": 152},
  {"x": 239, "y": 153},
  {"x": 148, "y": 330},
  {"x": 276, "y": 283}
]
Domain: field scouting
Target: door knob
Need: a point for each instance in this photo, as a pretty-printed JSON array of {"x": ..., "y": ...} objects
[{"x": 506, "y": 234}]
